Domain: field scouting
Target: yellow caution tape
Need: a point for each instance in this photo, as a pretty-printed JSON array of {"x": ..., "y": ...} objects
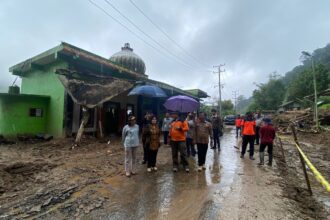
[{"x": 316, "y": 173}]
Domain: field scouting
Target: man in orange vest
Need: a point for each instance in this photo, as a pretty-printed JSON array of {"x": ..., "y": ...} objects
[
  {"x": 248, "y": 132},
  {"x": 178, "y": 130}
]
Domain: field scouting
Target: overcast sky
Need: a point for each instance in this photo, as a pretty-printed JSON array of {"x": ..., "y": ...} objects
[{"x": 252, "y": 37}]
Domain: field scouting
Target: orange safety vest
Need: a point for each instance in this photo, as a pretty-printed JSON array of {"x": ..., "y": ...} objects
[
  {"x": 238, "y": 122},
  {"x": 249, "y": 128},
  {"x": 178, "y": 135}
]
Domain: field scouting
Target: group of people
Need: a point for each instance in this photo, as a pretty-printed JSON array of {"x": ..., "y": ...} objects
[
  {"x": 182, "y": 133},
  {"x": 255, "y": 129}
]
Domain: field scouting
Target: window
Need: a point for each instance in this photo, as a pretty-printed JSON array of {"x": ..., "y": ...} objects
[{"x": 36, "y": 112}]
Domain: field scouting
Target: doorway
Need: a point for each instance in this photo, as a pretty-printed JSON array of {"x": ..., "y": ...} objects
[{"x": 111, "y": 117}]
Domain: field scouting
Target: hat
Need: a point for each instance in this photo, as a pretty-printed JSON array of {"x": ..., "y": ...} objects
[{"x": 131, "y": 118}]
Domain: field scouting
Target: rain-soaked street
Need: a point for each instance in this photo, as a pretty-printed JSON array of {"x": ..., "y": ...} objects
[
  {"x": 168, "y": 195},
  {"x": 53, "y": 181},
  {"x": 230, "y": 188}
]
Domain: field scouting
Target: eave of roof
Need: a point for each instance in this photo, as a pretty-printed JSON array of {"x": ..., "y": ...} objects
[
  {"x": 200, "y": 93},
  {"x": 171, "y": 88},
  {"x": 64, "y": 48},
  {"x": 23, "y": 95}
]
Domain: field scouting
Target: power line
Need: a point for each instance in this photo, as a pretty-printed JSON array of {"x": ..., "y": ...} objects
[
  {"x": 136, "y": 35},
  {"x": 167, "y": 35},
  {"x": 147, "y": 35}
]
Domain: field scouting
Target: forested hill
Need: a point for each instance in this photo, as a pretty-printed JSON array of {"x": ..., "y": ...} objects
[
  {"x": 321, "y": 56},
  {"x": 295, "y": 84}
]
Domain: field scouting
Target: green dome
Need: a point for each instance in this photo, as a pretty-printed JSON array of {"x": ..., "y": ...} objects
[{"x": 128, "y": 59}]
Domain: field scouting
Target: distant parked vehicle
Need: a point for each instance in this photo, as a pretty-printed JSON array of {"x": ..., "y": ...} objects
[{"x": 229, "y": 119}]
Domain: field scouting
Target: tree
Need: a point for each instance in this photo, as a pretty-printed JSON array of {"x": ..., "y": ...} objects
[
  {"x": 268, "y": 96},
  {"x": 303, "y": 86},
  {"x": 227, "y": 107}
]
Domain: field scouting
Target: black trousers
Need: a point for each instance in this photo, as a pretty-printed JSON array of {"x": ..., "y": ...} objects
[
  {"x": 165, "y": 134},
  {"x": 201, "y": 151},
  {"x": 190, "y": 147},
  {"x": 238, "y": 131},
  {"x": 216, "y": 140},
  {"x": 152, "y": 158},
  {"x": 146, "y": 147},
  {"x": 248, "y": 139},
  {"x": 269, "y": 149},
  {"x": 257, "y": 134}
]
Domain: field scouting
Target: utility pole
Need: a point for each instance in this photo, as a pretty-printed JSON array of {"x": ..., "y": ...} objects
[
  {"x": 235, "y": 94},
  {"x": 316, "y": 113},
  {"x": 219, "y": 71}
]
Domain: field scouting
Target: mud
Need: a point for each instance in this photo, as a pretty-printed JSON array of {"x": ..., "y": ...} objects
[
  {"x": 295, "y": 187},
  {"x": 53, "y": 181}
]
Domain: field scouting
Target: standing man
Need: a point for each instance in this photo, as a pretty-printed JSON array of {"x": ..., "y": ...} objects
[
  {"x": 216, "y": 126},
  {"x": 166, "y": 127},
  {"x": 267, "y": 136},
  {"x": 248, "y": 132},
  {"x": 178, "y": 141},
  {"x": 190, "y": 135},
  {"x": 203, "y": 131},
  {"x": 258, "y": 118}
]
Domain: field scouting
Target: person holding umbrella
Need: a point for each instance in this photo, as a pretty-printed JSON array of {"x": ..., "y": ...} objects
[
  {"x": 203, "y": 131},
  {"x": 152, "y": 135},
  {"x": 178, "y": 129},
  {"x": 145, "y": 141}
]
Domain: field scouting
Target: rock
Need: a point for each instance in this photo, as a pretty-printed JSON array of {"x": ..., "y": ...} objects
[
  {"x": 67, "y": 205},
  {"x": 47, "y": 202},
  {"x": 35, "y": 209}
]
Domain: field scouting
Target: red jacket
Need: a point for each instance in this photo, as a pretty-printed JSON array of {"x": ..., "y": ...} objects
[{"x": 267, "y": 134}]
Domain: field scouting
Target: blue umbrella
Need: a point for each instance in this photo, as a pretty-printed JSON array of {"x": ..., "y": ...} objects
[
  {"x": 181, "y": 103},
  {"x": 148, "y": 90}
]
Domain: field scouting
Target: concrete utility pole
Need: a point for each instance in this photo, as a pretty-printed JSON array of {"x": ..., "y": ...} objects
[
  {"x": 316, "y": 113},
  {"x": 235, "y": 94},
  {"x": 219, "y": 73}
]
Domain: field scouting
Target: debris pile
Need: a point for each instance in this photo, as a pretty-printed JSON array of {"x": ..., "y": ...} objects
[{"x": 303, "y": 119}]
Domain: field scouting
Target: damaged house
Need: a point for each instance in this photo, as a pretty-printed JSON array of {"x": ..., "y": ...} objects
[{"x": 57, "y": 83}]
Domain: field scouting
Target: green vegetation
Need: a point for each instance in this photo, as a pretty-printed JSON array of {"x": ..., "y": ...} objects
[
  {"x": 294, "y": 85},
  {"x": 227, "y": 108}
]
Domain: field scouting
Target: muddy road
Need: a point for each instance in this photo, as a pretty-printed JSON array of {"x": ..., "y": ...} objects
[{"x": 52, "y": 181}]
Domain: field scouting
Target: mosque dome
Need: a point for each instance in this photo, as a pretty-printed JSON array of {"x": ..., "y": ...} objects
[{"x": 128, "y": 59}]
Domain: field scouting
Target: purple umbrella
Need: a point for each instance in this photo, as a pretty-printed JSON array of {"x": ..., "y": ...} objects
[{"x": 181, "y": 103}]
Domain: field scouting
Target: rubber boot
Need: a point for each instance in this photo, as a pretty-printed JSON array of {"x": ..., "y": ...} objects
[
  {"x": 270, "y": 161},
  {"x": 262, "y": 156}
]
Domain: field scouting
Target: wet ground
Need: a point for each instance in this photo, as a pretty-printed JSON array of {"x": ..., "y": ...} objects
[
  {"x": 52, "y": 181},
  {"x": 168, "y": 195}
]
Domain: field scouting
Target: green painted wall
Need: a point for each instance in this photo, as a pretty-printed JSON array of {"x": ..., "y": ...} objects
[
  {"x": 15, "y": 115},
  {"x": 45, "y": 82}
]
